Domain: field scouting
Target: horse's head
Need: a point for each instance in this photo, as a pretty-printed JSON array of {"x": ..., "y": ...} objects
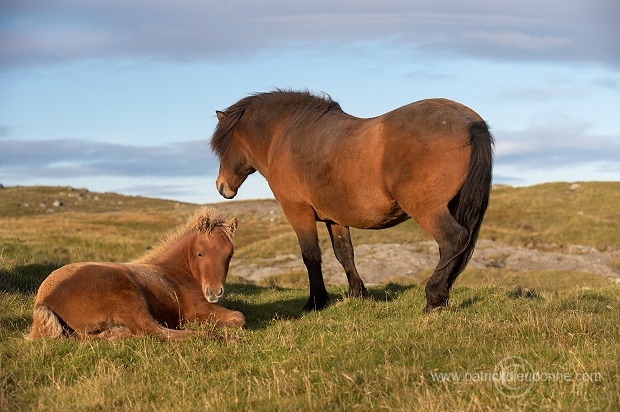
[
  {"x": 235, "y": 165},
  {"x": 211, "y": 254}
]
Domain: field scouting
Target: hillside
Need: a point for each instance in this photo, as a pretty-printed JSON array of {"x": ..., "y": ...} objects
[{"x": 529, "y": 236}]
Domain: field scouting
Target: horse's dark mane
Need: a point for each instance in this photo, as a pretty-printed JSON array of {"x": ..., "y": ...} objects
[
  {"x": 224, "y": 130},
  {"x": 297, "y": 105}
]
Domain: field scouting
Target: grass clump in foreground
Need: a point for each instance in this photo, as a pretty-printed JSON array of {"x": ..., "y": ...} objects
[{"x": 377, "y": 353}]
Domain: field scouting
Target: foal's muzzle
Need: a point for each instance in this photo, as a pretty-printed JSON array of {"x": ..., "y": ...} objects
[{"x": 213, "y": 297}]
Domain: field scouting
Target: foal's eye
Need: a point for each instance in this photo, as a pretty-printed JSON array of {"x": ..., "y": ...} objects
[{"x": 199, "y": 254}]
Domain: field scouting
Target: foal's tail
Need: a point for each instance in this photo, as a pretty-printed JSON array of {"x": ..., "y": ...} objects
[
  {"x": 470, "y": 204},
  {"x": 45, "y": 323}
]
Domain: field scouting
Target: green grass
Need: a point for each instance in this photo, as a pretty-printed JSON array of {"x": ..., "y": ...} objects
[
  {"x": 544, "y": 280},
  {"x": 556, "y": 215},
  {"x": 376, "y": 353}
]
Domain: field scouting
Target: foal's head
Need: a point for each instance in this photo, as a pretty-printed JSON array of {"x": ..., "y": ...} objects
[{"x": 211, "y": 252}]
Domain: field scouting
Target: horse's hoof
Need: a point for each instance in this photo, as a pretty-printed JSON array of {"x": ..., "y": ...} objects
[
  {"x": 358, "y": 292},
  {"x": 431, "y": 308},
  {"x": 315, "y": 303}
]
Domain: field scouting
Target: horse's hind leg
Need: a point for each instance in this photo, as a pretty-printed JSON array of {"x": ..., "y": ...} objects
[
  {"x": 343, "y": 249},
  {"x": 452, "y": 239}
]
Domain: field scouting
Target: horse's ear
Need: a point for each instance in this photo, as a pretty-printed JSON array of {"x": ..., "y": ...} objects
[
  {"x": 220, "y": 115},
  {"x": 232, "y": 223}
]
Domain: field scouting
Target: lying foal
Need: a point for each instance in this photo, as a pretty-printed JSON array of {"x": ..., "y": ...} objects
[{"x": 182, "y": 279}]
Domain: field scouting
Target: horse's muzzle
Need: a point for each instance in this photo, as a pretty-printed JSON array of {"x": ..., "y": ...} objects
[
  {"x": 213, "y": 297},
  {"x": 226, "y": 191}
]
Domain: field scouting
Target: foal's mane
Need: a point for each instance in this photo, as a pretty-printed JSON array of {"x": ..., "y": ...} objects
[
  {"x": 300, "y": 105},
  {"x": 204, "y": 221}
]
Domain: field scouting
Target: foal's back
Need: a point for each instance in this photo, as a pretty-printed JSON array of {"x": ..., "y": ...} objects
[{"x": 92, "y": 296}]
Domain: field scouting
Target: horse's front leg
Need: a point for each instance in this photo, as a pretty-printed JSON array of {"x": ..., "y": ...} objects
[
  {"x": 303, "y": 222},
  {"x": 343, "y": 249}
]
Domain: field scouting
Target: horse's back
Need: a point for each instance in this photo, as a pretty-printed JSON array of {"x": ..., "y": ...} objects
[
  {"x": 428, "y": 108},
  {"x": 426, "y": 150},
  {"x": 356, "y": 172},
  {"x": 430, "y": 122}
]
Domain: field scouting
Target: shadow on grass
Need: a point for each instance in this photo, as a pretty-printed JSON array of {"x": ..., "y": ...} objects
[
  {"x": 389, "y": 292},
  {"x": 260, "y": 315},
  {"x": 15, "y": 324},
  {"x": 467, "y": 302},
  {"x": 586, "y": 301},
  {"x": 26, "y": 278},
  {"x": 520, "y": 292},
  {"x": 249, "y": 289}
]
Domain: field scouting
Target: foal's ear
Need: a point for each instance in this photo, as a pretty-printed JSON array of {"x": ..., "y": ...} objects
[
  {"x": 220, "y": 115},
  {"x": 232, "y": 223}
]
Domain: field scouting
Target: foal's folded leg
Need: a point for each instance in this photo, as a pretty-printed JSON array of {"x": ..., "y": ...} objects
[
  {"x": 111, "y": 333},
  {"x": 130, "y": 316},
  {"x": 220, "y": 316},
  {"x": 229, "y": 318},
  {"x": 145, "y": 327}
]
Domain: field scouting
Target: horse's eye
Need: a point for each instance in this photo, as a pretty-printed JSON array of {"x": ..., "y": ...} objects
[{"x": 199, "y": 254}]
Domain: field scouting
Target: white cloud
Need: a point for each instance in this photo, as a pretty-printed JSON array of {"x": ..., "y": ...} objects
[
  {"x": 555, "y": 146},
  {"x": 65, "y": 30},
  {"x": 69, "y": 158},
  {"x": 519, "y": 40}
]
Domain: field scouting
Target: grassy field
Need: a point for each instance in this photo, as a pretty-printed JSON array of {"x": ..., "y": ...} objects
[{"x": 509, "y": 346}]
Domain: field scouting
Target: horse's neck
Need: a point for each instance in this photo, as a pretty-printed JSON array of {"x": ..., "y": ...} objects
[
  {"x": 175, "y": 259},
  {"x": 258, "y": 139},
  {"x": 264, "y": 130}
]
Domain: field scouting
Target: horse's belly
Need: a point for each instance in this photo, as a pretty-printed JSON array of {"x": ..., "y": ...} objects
[
  {"x": 388, "y": 221},
  {"x": 369, "y": 214}
]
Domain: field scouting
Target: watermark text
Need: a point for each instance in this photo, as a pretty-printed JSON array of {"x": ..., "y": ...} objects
[{"x": 514, "y": 377}]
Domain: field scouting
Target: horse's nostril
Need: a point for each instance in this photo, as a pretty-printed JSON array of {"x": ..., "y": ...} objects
[{"x": 220, "y": 293}]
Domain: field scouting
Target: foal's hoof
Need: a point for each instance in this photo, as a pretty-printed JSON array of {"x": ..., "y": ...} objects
[
  {"x": 234, "y": 319},
  {"x": 316, "y": 303}
]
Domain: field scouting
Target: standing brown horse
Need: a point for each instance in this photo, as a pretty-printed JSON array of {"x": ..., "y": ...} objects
[
  {"x": 182, "y": 279},
  {"x": 430, "y": 160}
]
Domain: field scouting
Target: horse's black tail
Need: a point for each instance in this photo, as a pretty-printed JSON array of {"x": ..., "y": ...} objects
[{"x": 470, "y": 204}]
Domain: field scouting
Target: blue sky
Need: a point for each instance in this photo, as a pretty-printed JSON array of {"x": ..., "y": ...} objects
[{"x": 121, "y": 95}]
